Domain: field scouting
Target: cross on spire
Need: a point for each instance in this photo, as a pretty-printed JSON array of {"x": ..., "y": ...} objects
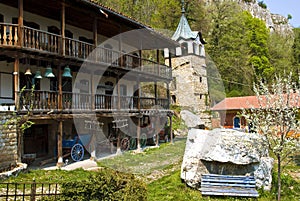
[{"x": 182, "y": 7}]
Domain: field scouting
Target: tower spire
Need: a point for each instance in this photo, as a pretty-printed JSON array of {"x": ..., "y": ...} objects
[{"x": 182, "y": 7}]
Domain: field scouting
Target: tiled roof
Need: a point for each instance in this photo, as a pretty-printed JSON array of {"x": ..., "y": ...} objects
[
  {"x": 184, "y": 30},
  {"x": 247, "y": 102}
]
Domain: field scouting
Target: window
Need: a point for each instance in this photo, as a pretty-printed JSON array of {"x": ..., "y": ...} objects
[
  {"x": 6, "y": 86},
  {"x": 200, "y": 79},
  {"x": 184, "y": 49},
  {"x": 195, "y": 48}
]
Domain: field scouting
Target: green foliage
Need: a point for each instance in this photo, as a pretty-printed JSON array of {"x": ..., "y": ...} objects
[
  {"x": 171, "y": 188},
  {"x": 262, "y": 4},
  {"x": 289, "y": 16},
  {"x": 105, "y": 184},
  {"x": 290, "y": 188},
  {"x": 296, "y": 49},
  {"x": 178, "y": 124}
]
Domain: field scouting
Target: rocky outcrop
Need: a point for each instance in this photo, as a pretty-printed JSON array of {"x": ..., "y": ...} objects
[
  {"x": 226, "y": 152},
  {"x": 274, "y": 22},
  {"x": 191, "y": 120}
]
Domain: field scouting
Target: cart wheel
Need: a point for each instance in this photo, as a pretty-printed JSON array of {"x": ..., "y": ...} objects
[
  {"x": 143, "y": 140},
  {"x": 132, "y": 143},
  {"x": 77, "y": 152},
  {"x": 125, "y": 144}
]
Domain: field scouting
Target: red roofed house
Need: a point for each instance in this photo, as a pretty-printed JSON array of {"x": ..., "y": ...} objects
[{"x": 228, "y": 110}]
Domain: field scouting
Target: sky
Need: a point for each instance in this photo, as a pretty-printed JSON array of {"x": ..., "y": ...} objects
[{"x": 285, "y": 7}]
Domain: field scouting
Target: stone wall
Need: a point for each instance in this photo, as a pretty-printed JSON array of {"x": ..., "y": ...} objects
[
  {"x": 8, "y": 143},
  {"x": 190, "y": 87}
]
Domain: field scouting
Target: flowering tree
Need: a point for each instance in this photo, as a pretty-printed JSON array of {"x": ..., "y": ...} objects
[{"x": 276, "y": 117}]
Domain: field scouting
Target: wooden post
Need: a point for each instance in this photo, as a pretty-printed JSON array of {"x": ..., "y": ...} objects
[
  {"x": 158, "y": 62},
  {"x": 138, "y": 132},
  {"x": 60, "y": 101},
  {"x": 95, "y": 38},
  {"x": 118, "y": 91},
  {"x": 92, "y": 92},
  {"x": 20, "y": 23},
  {"x": 95, "y": 32},
  {"x": 168, "y": 96},
  {"x": 63, "y": 26},
  {"x": 16, "y": 81},
  {"x": 59, "y": 144},
  {"x": 171, "y": 132},
  {"x": 157, "y": 130},
  {"x": 155, "y": 93}
]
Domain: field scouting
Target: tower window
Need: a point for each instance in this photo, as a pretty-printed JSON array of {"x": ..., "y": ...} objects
[
  {"x": 200, "y": 79},
  {"x": 184, "y": 49}
]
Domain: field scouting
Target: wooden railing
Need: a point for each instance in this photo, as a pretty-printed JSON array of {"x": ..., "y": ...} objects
[
  {"x": 38, "y": 100},
  {"x": 41, "y": 40},
  {"x": 49, "y": 100},
  {"x": 38, "y": 40},
  {"x": 8, "y": 34}
]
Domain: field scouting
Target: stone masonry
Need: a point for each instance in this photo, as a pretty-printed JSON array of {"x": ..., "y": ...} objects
[
  {"x": 8, "y": 143},
  {"x": 189, "y": 87}
]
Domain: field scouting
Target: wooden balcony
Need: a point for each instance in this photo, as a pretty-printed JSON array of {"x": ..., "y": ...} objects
[
  {"x": 52, "y": 44},
  {"x": 45, "y": 101}
]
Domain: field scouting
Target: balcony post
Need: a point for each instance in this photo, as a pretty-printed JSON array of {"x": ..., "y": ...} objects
[
  {"x": 170, "y": 115},
  {"x": 16, "y": 81},
  {"x": 155, "y": 93},
  {"x": 59, "y": 144},
  {"x": 20, "y": 23},
  {"x": 60, "y": 125},
  {"x": 118, "y": 91},
  {"x": 158, "y": 62},
  {"x": 95, "y": 31},
  {"x": 92, "y": 92},
  {"x": 168, "y": 95},
  {"x": 63, "y": 26}
]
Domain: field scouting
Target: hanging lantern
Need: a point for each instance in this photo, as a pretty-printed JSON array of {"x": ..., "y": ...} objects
[
  {"x": 38, "y": 75},
  {"x": 48, "y": 73},
  {"x": 67, "y": 72},
  {"x": 28, "y": 72}
]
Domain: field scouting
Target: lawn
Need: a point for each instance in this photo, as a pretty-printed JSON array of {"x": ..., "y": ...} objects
[{"x": 159, "y": 168}]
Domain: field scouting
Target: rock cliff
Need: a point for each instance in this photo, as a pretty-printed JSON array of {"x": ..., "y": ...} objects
[{"x": 274, "y": 22}]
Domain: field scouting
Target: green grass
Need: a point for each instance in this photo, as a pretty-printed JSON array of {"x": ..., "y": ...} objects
[
  {"x": 152, "y": 159},
  {"x": 50, "y": 176},
  {"x": 160, "y": 168}
]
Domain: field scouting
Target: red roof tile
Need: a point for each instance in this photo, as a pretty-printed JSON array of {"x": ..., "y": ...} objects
[{"x": 247, "y": 102}]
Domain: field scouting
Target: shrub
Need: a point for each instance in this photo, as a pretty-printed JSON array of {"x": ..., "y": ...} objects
[
  {"x": 262, "y": 4},
  {"x": 106, "y": 184}
]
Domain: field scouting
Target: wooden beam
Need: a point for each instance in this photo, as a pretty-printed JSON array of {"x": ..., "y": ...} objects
[
  {"x": 63, "y": 27},
  {"x": 16, "y": 81},
  {"x": 59, "y": 144},
  {"x": 20, "y": 22},
  {"x": 95, "y": 31}
]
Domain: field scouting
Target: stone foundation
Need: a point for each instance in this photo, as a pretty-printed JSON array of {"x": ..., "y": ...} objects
[{"x": 8, "y": 144}]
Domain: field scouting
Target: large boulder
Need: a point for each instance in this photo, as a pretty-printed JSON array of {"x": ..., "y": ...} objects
[
  {"x": 191, "y": 120},
  {"x": 224, "y": 151}
]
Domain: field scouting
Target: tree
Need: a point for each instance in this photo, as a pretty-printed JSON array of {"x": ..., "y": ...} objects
[
  {"x": 280, "y": 51},
  {"x": 277, "y": 118},
  {"x": 296, "y": 50}
]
